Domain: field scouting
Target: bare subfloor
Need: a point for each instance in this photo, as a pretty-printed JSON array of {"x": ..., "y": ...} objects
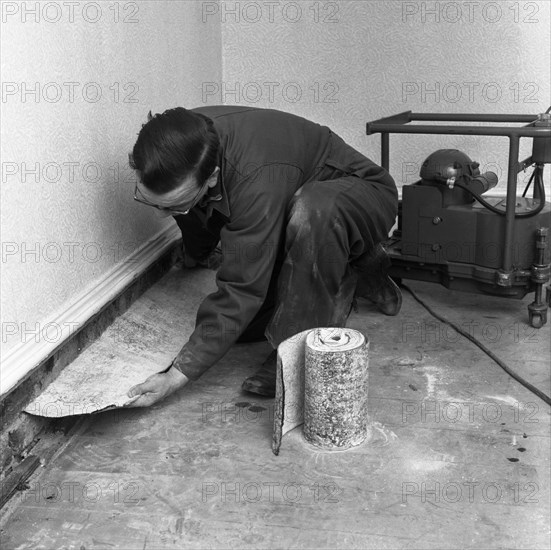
[{"x": 459, "y": 456}]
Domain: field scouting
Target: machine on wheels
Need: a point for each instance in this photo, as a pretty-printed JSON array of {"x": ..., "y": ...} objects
[{"x": 449, "y": 233}]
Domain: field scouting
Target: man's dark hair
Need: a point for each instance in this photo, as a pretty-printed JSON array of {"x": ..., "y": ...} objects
[{"x": 172, "y": 146}]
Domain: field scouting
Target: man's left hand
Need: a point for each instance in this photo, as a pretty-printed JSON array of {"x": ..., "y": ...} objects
[{"x": 157, "y": 387}]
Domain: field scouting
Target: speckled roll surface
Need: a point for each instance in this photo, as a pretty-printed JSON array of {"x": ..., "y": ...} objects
[{"x": 335, "y": 388}]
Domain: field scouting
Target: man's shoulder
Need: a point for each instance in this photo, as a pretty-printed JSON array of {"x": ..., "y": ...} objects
[
  {"x": 223, "y": 111},
  {"x": 238, "y": 114},
  {"x": 216, "y": 111}
]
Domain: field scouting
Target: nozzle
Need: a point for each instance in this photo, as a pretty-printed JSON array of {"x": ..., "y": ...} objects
[{"x": 482, "y": 183}]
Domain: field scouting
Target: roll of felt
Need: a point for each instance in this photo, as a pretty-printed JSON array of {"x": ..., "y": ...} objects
[
  {"x": 327, "y": 368},
  {"x": 335, "y": 388}
]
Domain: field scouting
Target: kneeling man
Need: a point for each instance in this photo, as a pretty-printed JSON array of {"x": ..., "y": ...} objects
[{"x": 298, "y": 214}]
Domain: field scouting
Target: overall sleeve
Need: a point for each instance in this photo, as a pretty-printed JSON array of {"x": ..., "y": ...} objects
[{"x": 249, "y": 246}]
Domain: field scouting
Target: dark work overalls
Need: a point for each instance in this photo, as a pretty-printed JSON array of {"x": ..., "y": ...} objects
[{"x": 297, "y": 213}]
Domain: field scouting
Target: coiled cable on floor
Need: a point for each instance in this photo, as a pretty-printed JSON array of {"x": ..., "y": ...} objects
[{"x": 464, "y": 333}]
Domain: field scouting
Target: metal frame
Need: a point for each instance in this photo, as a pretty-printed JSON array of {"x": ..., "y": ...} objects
[{"x": 398, "y": 124}]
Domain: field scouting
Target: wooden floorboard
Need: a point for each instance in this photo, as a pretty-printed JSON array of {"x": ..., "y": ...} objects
[{"x": 459, "y": 454}]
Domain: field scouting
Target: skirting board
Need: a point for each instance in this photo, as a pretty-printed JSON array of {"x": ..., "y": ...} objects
[{"x": 19, "y": 361}]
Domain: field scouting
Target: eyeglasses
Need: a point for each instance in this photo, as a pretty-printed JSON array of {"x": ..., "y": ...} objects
[{"x": 177, "y": 212}]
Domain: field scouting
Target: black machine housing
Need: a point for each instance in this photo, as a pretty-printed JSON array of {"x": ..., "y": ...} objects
[{"x": 449, "y": 233}]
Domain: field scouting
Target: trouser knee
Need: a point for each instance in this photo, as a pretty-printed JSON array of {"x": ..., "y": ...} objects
[{"x": 315, "y": 232}]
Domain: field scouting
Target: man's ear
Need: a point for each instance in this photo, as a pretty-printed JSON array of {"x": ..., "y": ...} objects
[{"x": 213, "y": 180}]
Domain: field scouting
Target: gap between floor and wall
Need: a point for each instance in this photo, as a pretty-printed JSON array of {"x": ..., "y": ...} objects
[{"x": 30, "y": 366}]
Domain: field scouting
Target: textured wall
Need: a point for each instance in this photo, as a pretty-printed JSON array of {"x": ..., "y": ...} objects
[
  {"x": 77, "y": 83},
  {"x": 347, "y": 62}
]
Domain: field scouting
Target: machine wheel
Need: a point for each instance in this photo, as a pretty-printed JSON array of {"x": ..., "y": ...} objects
[{"x": 536, "y": 320}]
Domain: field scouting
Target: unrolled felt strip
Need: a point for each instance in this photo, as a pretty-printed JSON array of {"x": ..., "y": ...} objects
[{"x": 322, "y": 383}]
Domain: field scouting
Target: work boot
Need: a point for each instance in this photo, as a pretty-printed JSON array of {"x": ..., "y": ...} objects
[
  {"x": 263, "y": 382},
  {"x": 375, "y": 284}
]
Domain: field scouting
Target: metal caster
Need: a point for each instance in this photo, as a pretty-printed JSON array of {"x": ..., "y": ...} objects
[
  {"x": 537, "y": 314},
  {"x": 537, "y": 320}
]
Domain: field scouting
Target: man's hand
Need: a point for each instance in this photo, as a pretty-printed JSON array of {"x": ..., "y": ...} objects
[{"x": 157, "y": 387}]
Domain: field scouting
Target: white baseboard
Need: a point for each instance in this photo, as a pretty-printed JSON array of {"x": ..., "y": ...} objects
[{"x": 26, "y": 356}]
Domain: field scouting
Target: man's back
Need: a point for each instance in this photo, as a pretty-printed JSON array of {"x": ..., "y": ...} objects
[{"x": 252, "y": 137}]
